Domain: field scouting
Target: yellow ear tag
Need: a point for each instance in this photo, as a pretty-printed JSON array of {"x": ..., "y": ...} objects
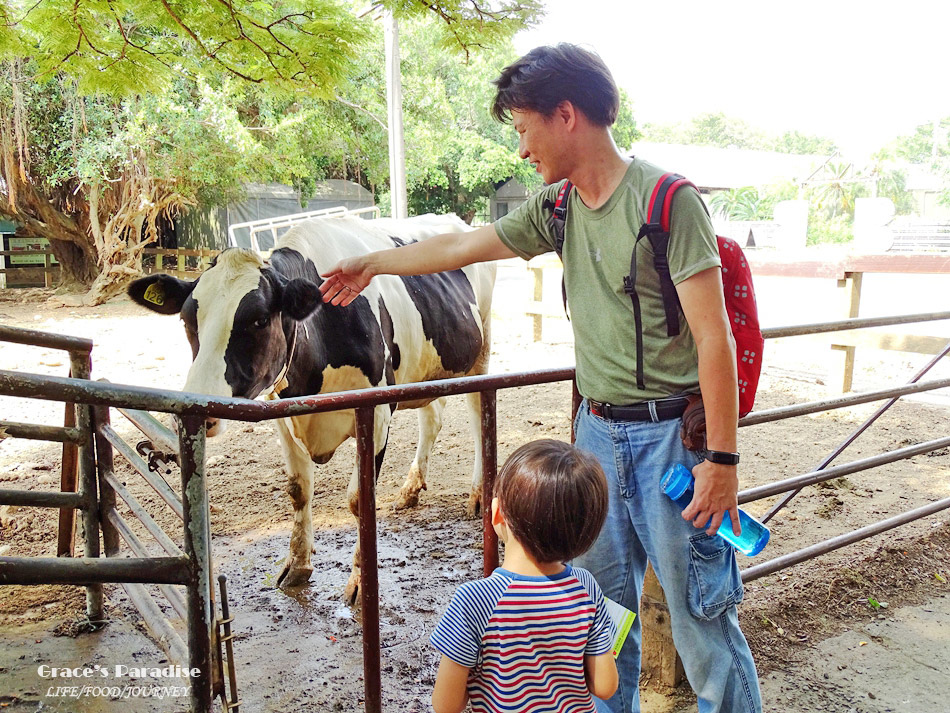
[{"x": 155, "y": 294}]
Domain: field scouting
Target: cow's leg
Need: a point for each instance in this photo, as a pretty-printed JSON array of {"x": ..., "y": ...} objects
[
  {"x": 430, "y": 423},
  {"x": 297, "y": 569},
  {"x": 381, "y": 421},
  {"x": 475, "y": 424}
]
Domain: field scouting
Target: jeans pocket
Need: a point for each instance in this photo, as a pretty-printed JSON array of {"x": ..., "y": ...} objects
[
  {"x": 714, "y": 580},
  {"x": 577, "y": 416}
]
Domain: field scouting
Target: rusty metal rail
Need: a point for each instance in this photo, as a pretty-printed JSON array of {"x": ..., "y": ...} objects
[{"x": 192, "y": 408}]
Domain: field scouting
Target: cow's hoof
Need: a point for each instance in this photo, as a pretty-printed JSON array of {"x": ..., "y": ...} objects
[
  {"x": 352, "y": 592},
  {"x": 474, "y": 505},
  {"x": 294, "y": 575},
  {"x": 406, "y": 499}
]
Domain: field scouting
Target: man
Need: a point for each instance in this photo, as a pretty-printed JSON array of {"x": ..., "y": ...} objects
[{"x": 562, "y": 101}]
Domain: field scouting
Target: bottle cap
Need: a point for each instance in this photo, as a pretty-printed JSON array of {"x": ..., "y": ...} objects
[{"x": 676, "y": 481}]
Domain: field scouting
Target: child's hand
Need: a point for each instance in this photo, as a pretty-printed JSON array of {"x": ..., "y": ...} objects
[{"x": 601, "y": 675}]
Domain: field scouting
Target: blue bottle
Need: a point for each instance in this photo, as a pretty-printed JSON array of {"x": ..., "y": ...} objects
[{"x": 677, "y": 483}]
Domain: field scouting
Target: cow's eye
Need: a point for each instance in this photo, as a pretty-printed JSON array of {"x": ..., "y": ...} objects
[{"x": 262, "y": 323}]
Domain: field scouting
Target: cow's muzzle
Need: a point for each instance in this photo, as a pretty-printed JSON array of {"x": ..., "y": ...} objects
[{"x": 215, "y": 426}]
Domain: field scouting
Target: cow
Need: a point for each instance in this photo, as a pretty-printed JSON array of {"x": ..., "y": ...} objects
[{"x": 258, "y": 326}]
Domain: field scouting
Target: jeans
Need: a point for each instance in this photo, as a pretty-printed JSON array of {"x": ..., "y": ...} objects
[{"x": 698, "y": 572}]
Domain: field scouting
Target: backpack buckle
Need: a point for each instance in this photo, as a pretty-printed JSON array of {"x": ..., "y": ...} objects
[
  {"x": 628, "y": 287},
  {"x": 650, "y": 229}
]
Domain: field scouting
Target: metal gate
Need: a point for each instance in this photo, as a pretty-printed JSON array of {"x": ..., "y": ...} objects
[
  {"x": 191, "y": 567},
  {"x": 187, "y": 565}
]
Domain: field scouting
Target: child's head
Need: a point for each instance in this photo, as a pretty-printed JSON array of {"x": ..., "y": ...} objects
[{"x": 553, "y": 498}]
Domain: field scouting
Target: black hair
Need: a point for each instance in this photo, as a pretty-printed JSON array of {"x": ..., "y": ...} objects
[
  {"x": 554, "y": 499},
  {"x": 549, "y": 75}
]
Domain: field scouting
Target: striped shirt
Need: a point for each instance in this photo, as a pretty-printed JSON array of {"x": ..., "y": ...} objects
[{"x": 524, "y": 640}]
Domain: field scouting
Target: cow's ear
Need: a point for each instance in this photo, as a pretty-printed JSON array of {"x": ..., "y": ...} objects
[
  {"x": 161, "y": 293},
  {"x": 300, "y": 298}
]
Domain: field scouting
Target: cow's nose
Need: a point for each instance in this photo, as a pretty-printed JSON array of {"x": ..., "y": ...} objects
[{"x": 214, "y": 426}]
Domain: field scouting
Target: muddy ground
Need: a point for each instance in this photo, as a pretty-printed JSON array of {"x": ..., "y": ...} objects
[{"x": 301, "y": 651}]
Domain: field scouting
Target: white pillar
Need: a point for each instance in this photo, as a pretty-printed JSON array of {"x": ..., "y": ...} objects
[{"x": 397, "y": 146}]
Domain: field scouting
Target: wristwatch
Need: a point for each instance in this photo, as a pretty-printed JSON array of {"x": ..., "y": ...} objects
[{"x": 721, "y": 457}]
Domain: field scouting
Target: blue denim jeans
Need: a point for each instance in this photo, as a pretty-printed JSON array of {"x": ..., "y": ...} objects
[{"x": 698, "y": 572}]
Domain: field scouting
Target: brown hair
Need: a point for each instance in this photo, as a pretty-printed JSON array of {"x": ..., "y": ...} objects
[
  {"x": 554, "y": 499},
  {"x": 546, "y": 76}
]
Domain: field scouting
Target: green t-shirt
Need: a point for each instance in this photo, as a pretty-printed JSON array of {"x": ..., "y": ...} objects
[{"x": 597, "y": 251}]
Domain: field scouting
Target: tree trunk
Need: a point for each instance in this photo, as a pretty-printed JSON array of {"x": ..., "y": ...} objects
[{"x": 77, "y": 268}]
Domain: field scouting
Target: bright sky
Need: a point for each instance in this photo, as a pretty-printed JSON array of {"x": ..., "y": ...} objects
[{"x": 860, "y": 73}]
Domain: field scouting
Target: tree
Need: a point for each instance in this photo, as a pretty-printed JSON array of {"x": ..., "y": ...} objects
[
  {"x": 459, "y": 153},
  {"x": 728, "y": 132},
  {"x": 741, "y": 204},
  {"x": 624, "y": 130},
  {"x": 929, "y": 146},
  {"x": 795, "y": 142},
  {"x": 118, "y": 166},
  {"x": 709, "y": 129}
]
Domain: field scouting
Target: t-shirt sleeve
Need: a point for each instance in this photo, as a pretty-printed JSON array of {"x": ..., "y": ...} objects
[
  {"x": 602, "y": 633},
  {"x": 527, "y": 230},
  {"x": 693, "y": 245},
  {"x": 458, "y": 634}
]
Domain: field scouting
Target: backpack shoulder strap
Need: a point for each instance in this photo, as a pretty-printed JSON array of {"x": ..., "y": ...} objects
[
  {"x": 657, "y": 229},
  {"x": 557, "y": 221},
  {"x": 559, "y": 216}
]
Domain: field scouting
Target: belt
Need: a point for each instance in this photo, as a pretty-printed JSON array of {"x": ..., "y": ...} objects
[{"x": 660, "y": 410}]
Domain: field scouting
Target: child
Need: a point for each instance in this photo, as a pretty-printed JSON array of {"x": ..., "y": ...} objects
[{"x": 535, "y": 635}]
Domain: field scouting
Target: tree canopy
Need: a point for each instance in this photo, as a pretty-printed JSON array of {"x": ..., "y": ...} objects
[
  {"x": 124, "y": 47},
  {"x": 117, "y": 115},
  {"x": 717, "y": 129}
]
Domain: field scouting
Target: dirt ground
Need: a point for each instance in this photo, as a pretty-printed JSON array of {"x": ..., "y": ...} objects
[{"x": 301, "y": 651}]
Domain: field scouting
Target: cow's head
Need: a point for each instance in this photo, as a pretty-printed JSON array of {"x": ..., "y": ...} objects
[{"x": 240, "y": 318}]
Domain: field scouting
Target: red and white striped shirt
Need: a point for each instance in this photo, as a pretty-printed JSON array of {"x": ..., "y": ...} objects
[{"x": 525, "y": 638}]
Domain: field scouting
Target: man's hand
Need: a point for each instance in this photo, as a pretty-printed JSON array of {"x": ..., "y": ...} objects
[
  {"x": 714, "y": 493},
  {"x": 345, "y": 280}
]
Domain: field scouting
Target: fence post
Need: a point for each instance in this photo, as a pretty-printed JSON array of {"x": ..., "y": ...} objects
[
  {"x": 659, "y": 658},
  {"x": 104, "y": 465},
  {"x": 489, "y": 426},
  {"x": 369, "y": 575},
  {"x": 538, "y": 280},
  {"x": 81, "y": 368},
  {"x": 197, "y": 547},
  {"x": 66, "y": 542},
  {"x": 852, "y": 280}
]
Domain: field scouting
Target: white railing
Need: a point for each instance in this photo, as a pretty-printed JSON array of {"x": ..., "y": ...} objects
[{"x": 272, "y": 225}]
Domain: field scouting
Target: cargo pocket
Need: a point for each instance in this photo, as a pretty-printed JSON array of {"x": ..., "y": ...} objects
[{"x": 714, "y": 580}]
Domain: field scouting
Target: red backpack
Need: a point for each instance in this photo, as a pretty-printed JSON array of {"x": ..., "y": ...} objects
[{"x": 736, "y": 283}]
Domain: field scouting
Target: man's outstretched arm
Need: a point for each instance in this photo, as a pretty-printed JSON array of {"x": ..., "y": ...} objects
[{"x": 449, "y": 251}]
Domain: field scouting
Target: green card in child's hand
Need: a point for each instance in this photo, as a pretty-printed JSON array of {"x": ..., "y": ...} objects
[{"x": 623, "y": 620}]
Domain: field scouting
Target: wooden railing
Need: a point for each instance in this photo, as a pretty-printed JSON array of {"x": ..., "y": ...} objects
[
  {"x": 180, "y": 262},
  {"x": 30, "y": 274}
]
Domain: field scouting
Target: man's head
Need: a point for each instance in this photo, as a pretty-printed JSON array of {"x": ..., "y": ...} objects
[
  {"x": 553, "y": 499},
  {"x": 547, "y": 76}
]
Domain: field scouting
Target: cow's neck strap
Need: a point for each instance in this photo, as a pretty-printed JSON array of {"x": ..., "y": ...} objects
[{"x": 281, "y": 383}]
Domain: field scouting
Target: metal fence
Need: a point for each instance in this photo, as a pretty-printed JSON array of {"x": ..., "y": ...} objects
[{"x": 192, "y": 408}]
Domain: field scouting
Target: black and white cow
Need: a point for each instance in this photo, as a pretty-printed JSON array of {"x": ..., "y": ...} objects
[{"x": 259, "y": 327}]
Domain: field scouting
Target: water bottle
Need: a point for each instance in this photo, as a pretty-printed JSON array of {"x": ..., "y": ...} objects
[{"x": 677, "y": 483}]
